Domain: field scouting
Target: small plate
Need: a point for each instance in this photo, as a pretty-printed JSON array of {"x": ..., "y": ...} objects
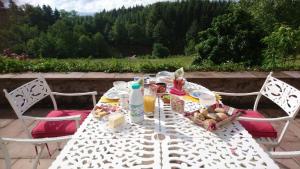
[
  {"x": 205, "y": 97},
  {"x": 112, "y": 95},
  {"x": 200, "y": 93}
]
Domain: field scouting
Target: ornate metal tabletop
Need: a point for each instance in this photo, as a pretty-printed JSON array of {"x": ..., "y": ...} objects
[{"x": 168, "y": 140}]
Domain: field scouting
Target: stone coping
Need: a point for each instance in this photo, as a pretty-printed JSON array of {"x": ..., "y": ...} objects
[{"x": 189, "y": 75}]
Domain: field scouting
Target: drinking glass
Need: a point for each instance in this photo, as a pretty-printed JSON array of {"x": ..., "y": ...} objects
[{"x": 149, "y": 101}]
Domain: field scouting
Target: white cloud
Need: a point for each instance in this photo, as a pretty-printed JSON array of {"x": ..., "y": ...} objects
[{"x": 88, "y": 6}]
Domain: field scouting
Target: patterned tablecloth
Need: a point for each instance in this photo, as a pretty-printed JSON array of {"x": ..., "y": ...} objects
[{"x": 168, "y": 140}]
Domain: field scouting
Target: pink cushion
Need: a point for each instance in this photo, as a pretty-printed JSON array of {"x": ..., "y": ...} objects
[
  {"x": 58, "y": 128},
  {"x": 258, "y": 129}
]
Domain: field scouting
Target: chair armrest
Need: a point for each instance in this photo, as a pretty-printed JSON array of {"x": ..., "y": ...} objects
[
  {"x": 264, "y": 119},
  {"x": 37, "y": 140},
  {"x": 237, "y": 94},
  {"x": 74, "y": 117},
  {"x": 74, "y": 94},
  {"x": 286, "y": 154}
]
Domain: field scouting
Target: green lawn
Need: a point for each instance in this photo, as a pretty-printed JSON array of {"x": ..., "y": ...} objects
[{"x": 126, "y": 65}]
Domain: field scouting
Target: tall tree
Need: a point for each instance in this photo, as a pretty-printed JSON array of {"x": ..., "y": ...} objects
[
  {"x": 101, "y": 47},
  {"x": 161, "y": 33}
]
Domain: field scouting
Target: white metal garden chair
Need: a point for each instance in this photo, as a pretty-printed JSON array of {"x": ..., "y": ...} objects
[
  {"x": 284, "y": 95},
  {"x": 36, "y": 142},
  {"x": 25, "y": 96}
]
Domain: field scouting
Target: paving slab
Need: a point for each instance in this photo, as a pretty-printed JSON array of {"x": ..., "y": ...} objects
[
  {"x": 7, "y": 75},
  {"x": 66, "y": 75},
  {"x": 294, "y": 74},
  {"x": 235, "y": 75},
  {"x": 128, "y": 75},
  {"x": 14, "y": 129},
  {"x": 3, "y": 164},
  {"x": 27, "y": 75},
  {"x": 201, "y": 75},
  {"x": 20, "y": 163},
  {"x": 5, "y": 122},
  {"x": 287, "y": 164},
  {"x": 98, "y": 75}
]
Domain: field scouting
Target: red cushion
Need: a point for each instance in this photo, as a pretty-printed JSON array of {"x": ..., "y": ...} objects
[
  {"x": 58, "y": 128},
  {"x": 258, "y": 129}
]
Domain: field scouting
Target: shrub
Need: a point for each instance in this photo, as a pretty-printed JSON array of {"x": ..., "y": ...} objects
[
  {"x": 283, "y": 44},
  {"x": 160, "y": 51},
  {"x": 233, "y": 37}
]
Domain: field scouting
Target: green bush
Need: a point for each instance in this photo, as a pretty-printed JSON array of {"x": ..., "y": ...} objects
[
  {"x": 282, "y": 45},
  {"x": 8, "y": 65},
  {"x": 233, "y": 37},
  {"x": 160, "y": 51}
]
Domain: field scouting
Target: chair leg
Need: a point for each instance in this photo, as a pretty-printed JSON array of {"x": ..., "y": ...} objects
[
  {"x": 48, "y": 149},
  {"x": 36, "y": 150},
  {"x": 37, "y": 159},
  {"x": 270, "y": 148},
  {"x": 58, "y": 146}
]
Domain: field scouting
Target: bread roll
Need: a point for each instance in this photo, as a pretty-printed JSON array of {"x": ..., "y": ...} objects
[
  {"x": 212, "y": 116},
  {"x": 203, "y": 111},
  {"x": 222, "y": 116},
  {"x": 199, "y": 116},
  {"x": 209, "y": 124},
  {"x": 220, "y": 110}
]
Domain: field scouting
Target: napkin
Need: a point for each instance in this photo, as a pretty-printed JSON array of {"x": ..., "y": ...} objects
[{"x": 104, "y": 99}]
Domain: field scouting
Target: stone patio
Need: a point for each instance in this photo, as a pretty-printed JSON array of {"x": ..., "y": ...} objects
[{"x": 23, "y": 154}]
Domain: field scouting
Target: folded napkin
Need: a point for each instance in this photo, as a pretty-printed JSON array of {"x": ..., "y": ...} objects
[
  {"x": 190, "y": 98},
  {"x": 104, "y": 99}
]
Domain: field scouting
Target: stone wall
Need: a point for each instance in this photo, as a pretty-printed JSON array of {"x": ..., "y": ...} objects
[{"x": 101, "y": 82}]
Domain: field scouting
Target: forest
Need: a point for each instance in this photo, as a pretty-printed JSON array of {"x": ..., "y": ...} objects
[
  {"x": 251, "y": 32},
  {"x": 46, "y": 32}
]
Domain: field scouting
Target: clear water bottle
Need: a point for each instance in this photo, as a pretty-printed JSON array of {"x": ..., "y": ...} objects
[{"x": 136, "y": 104}]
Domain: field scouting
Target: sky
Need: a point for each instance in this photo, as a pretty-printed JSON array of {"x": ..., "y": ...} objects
[{"x": 87, "y": 6}]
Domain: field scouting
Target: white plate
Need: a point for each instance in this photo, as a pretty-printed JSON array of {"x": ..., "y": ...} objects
[
  {"x": 112, "y": 94},
  {"x": 206, "y": 98}
]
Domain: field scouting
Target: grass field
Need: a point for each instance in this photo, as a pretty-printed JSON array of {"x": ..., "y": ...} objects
[{"x": 146, "y": 65}]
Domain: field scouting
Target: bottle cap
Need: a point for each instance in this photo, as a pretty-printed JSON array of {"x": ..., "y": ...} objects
[{"x": 136, "y": 86}]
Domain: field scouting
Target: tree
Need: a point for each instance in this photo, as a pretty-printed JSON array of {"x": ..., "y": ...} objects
[
  {"x": 32, "y": 47},
  {"x": 160, "y": 51},
  {"x": 65, "y": 42},
  {"x": 85, "y": 46},
  {"x": 135, "y": 34},
  {"x": 232, "y": 37},
  {"x": 160, "y": 33},
  {"x": 192, "y": 32},
  {"x": 101, "y": 48},
  {"x": 269, "y": 13},
  {"x": 282, "y": 44},
  {"x": 47, "y": 46},
  {"x": 118, "y": 32},
  {"x": 56, "y": 15}
]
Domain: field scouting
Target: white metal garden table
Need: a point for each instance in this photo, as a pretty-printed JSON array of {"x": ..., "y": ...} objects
[{"x": 168, "y": 140}]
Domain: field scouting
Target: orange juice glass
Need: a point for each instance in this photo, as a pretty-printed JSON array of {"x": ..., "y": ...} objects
[{"x": 149, "y": 104}]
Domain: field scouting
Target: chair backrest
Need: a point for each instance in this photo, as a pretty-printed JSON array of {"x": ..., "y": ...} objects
[
  {"x": 284, "y": 95},
  {"x": 25, "y": 96}
]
